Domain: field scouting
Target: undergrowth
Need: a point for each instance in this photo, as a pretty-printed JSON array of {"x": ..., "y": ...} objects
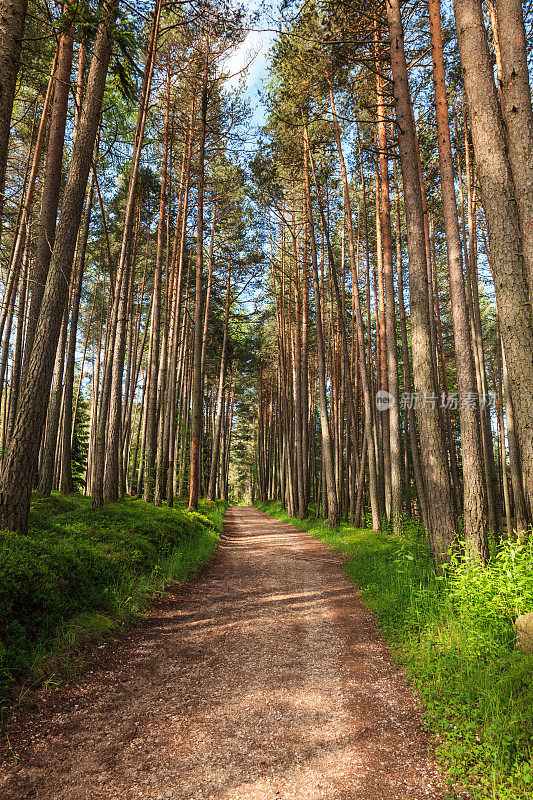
[
  {"x": 81, "y": 571},
  {"x": 454, "y": 635}
]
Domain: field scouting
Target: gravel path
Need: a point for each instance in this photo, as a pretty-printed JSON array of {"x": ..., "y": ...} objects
[{"x": 265, "y": 679}]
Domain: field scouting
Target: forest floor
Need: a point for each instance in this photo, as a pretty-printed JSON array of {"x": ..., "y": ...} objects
[{"x": 264, "y": 679}]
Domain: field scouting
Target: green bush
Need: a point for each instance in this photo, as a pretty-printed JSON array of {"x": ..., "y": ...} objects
[{"x": 78, "y": 560}]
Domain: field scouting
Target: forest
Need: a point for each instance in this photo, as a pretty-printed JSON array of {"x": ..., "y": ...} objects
[{"x": 304, "y": 287}]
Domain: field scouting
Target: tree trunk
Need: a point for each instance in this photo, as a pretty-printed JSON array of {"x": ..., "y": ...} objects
[
  {"x": 51, "y": 188},
  {"x": 196, "y": 407},
  {"x": 407, "y": 384},
  {"x": 475, "y": 522},
  {"x": 109, "y": 435},
  {"x": 49, "y": 446},
  {"x": 215, "y": 456},
  {"x": 66, "y": 484},
  {"x": 520, "y": 511},
  {"x": 12, "y": 22},
  {"x": 434, "y": 457},
  {"x": 518, "y": 117},
  {"x": 363, "y": 367},
  {"x": 155, "y": 324},
  {"x": 329, "y": 479},
  {"x": 395, "y": 449},
  {"x": 498, "y": 193}
]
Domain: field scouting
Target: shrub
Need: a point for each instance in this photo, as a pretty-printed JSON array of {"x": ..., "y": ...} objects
[{"x": 79, "y": 561}]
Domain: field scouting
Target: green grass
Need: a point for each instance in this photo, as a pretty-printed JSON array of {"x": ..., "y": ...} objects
[
  {"x": 82, "y": 571},
  {"x": 454, "y": 635}
]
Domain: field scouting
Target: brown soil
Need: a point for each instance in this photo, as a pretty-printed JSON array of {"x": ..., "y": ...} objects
[{"x": 265, "y": 679}]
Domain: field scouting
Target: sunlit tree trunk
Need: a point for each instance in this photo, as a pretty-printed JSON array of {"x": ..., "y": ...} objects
[
  {"x": 51, "y": 187},
  {"x": 517, "y": 112},
  {"x": 196, "y": 388},
  {"x": 327, "y": 453},
  {"x": 66, "y": 482},
  {"x": 499, "y": 200},
  {"x": 109, "y": 434},
  {"x": 395, "y": 449},
  {"x": 406, "y": 357},
  {"x": 12, "y": 23},
  {"x": 434, "y": 456},
  {"x": 475, "y": 522},
  {"x": 364, "y": 369},
  {"x": 154, "y": 363},
  {"x": 215, "y": 456}
]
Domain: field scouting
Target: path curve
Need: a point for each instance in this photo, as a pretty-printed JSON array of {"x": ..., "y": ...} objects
[{"x": 265, "y": 679}]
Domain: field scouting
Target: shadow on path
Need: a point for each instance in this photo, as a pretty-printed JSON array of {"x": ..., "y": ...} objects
[{"x": 265, "y": 679}]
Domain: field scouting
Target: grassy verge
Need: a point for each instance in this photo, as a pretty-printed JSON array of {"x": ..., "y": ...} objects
[
  {"x": 454, "y": 636},
  {"x": 82, "y": 571}
]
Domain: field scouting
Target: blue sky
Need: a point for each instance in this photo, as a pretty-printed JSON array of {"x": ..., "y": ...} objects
[{"x": 252, "y": 53}]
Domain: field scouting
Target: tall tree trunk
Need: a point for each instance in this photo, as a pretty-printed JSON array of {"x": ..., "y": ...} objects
[
  {"x": 434, "y": 457},
  {"x": 196, "y": 407},
  {"x": 305, "y": 362},
  {"x": 499, "y": 200},
  {"x": 364, "y": 369},
  {"x": 49, "y": 445},
  {"x": 395, "y": 449},
  {"x": 517, "y": 112},
  {"x": 520, "y": 511},
  {"x": 155, "y": 323},
  {"x": 51, "y": 187},
  {"x": 178, "y": 328},
  {"x": 109, "y": 434},
  {"x": 296, "y": 344},
  {"x": 407, "y": 384},
  {"x": 12, "y": 23},
  {"x": 327, "y": 454},
  {"x": 66, "y": 484},
  {"x": 215, "y": 456},
  {"x": 475, "y": 522},
  {"x": 26, "y": 207},
  {"x": 18, "y": 346}
]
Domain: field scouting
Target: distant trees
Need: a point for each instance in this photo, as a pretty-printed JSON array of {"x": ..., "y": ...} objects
[{"x": 374, "y": 376}]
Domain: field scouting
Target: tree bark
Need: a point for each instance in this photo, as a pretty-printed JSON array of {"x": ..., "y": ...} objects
[
  {"x": 395, "y": 449},
  {"x": 155, "y": 324},
  {"x": 49, "y": 445},
  {"x": 474, "y": 503},
  {"x": 443, "y": 529},
  {"x": 109, "y": 434},
  {"x": 215, "y": 456},
  {"x": 12, "y": 23},
  {"x": 66, "y": 484},
  {"x": 517, "y": 112},
  {"x": 51, "y": 187},
  {"x": 196, "y": 389},
  {"x": 498, "y": 193},
  {"x": 329, "y": 478}
]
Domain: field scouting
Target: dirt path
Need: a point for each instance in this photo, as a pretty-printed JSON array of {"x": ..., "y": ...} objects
[{"x": 263, "y": 680}]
